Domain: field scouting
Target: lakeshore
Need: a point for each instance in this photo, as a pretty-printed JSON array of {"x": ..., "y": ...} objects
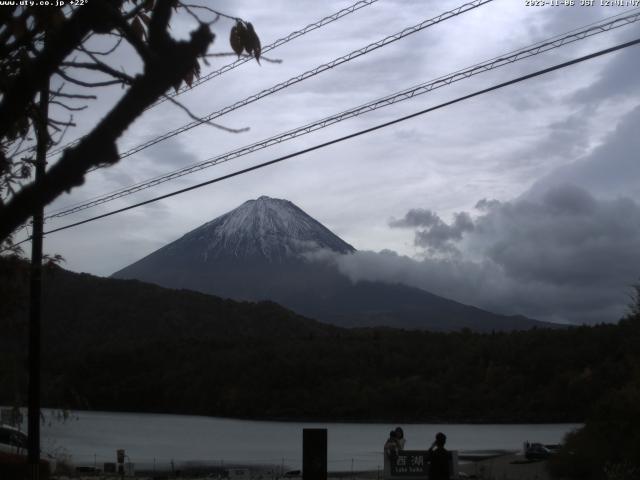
[
  {"x": 503, "y": 467},
  {"x": 164, "y": 446}
]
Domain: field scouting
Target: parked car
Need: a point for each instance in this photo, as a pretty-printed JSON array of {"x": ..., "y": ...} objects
[{"x": 537, "y": 451}]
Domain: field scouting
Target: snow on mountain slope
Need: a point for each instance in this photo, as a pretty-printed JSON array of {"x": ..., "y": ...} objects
[{"x": 267, "y": 228}]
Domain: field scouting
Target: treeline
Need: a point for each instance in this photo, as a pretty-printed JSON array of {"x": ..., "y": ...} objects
[
  {"x": 129, "y": 346},
  {"x": 608, "y": 446},
  {"x": 536, "y": 376}
]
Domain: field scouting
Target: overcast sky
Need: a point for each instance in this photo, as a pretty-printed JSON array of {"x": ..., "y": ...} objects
[{"x": 524, "y": 200}]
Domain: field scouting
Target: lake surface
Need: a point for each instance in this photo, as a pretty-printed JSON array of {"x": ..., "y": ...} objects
[{"x": 94, "y": 437}]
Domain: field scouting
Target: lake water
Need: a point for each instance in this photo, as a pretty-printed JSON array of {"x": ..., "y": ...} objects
[{"x": 94, "y": 437}]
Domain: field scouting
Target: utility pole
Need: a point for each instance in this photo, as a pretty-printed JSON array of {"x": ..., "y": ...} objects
[{"x": 35, "y": 295}]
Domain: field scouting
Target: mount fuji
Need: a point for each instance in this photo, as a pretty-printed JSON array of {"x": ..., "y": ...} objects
[{"x": 261, "y": 251}]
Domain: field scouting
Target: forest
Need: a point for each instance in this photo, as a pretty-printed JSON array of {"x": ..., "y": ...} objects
[
  {"x": 128, "y": 346},
  {"x": 125, "y": 345}
]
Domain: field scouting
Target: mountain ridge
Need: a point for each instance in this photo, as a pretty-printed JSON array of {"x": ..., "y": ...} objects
[{"x": 260, "y": 251}]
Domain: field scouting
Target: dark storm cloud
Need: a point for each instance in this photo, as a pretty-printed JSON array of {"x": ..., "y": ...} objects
[
  {"x": 435, "y": 235},
  {"x": 566, "y": 250},
  {"x": 565, "y": 257},
  {"x": 566, "y": 239}
]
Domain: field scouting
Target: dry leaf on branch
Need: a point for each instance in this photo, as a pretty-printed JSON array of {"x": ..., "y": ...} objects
[
  {"x": 253, "y": 42},
  {"x": 235, "y": 38},
  {"x": 244, "y": 37}
]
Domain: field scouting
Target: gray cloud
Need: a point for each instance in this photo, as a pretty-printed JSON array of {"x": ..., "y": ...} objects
[
  {"x": 616, "y": 81},
  {"x": 567, "y": 239},
  {"x": 566, "y": 257},
  {"x": 611, "y": 169},
  {"x": 566, "y": 250},
  {"x": 171, "y": 153},
  {"x": 437, "y": 236},
  {"x": 417, "y": 217}
]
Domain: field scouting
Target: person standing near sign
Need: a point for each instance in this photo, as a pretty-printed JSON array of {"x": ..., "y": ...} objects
[
  {"x": 391, "y": 446},
  {"x": 400, "y": 440},
  {"x": 438, "y": 458}
]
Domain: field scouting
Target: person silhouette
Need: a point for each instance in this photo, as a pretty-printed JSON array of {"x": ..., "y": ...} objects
[
  {"x": 391, "y": 446},
  {"x": 438, "y": 458},
  {"x": 400, "y": 440}
]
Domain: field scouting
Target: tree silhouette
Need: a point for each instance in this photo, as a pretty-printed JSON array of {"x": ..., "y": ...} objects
[{"x": 41, "y": 44}]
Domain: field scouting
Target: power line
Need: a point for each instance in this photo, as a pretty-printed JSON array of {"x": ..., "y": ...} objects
[
  {"x": 355, "y": 134},
  {"x": 306, "y": 75},
  {"x": 230, "y": 66},
  {"x": 496, "y": 62},
  {"x": 310, "y": 73},
  {"x": 354, "y": 54},
  {"x": 293, "y": 35}
]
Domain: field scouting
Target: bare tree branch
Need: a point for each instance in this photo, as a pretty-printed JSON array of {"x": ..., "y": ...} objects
[
  {"x": 75, "y": 95},
  {"x": 196, "y": 17},
  {"x": 234, "y": 54},
  {"x": 172, "y": 62},
  {"x": 67, "y": 107},
  {"x": 62, "y": 134},
  {"x": 105, "y": 52},
  {"x": 28, "y": 37},
  {"x": 159, "y": 24},
  {"x": 134, "y": 11},
  {"x": 60, "y": 43},
  {"x": 53, "y": 122},
  {"x": 100, "y": 67},
  {"x": 17, "y": 152},
  {"x": 16, "y": 149},
  {"x": 132, "y": 38},
  {"x": 82, "y": 83},
  {"x": 202, "y": 120},
  {"x": 209, "y": 9}
]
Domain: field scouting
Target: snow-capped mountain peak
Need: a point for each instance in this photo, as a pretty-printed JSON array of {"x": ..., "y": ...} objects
[{"x": 266, "y": 228}]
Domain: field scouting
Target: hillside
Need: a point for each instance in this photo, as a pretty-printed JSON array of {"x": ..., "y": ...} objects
[{"x": 125, "y": 345}]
